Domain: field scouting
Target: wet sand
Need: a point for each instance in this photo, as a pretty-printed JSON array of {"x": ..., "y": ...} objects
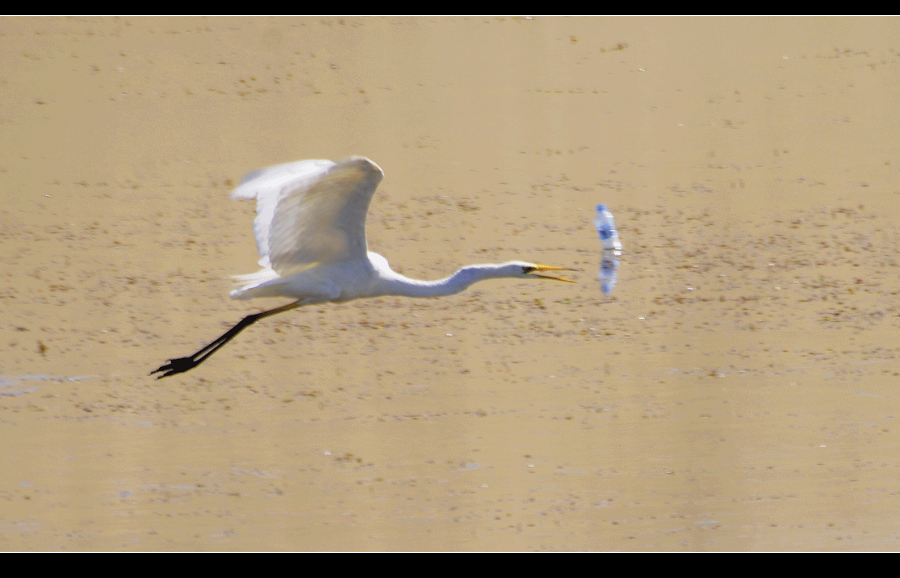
[{"x": 736, "y": 391}]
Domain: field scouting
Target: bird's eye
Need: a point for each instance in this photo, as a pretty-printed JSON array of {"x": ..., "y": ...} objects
[{"x": 526, "y": 270}]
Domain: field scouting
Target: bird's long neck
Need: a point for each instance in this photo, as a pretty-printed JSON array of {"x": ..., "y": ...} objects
[{"x": 403, "y": 286}]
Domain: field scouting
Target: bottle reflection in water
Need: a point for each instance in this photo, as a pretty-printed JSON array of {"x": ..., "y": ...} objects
[{"x": 609, "y": 271}]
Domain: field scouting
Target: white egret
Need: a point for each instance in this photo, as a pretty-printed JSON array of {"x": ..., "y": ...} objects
[{"x": 310, "y": 232}]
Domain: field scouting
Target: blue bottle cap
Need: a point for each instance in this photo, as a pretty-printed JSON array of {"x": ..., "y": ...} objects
[{"x": 601, "y": 207}]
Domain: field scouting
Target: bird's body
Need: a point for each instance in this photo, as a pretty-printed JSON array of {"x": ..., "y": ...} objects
[{"x": 310, "y": 233}]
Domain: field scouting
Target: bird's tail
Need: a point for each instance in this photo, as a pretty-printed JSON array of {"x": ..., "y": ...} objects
[{"x": 254, "y": 284}]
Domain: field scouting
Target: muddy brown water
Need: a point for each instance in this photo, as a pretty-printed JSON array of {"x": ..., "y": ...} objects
[{"x": 737, "y": 391}]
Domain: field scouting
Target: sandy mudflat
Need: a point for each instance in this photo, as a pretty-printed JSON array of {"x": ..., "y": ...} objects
[{"x": 737, "y": 391}]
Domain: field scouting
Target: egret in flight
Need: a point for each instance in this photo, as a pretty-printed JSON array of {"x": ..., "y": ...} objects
[{"x": 311, "y": 234}]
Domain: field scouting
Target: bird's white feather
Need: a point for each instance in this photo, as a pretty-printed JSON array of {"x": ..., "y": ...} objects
[
  {"x": 323, "y": 222},
  {"x": 310, "y": 212}
]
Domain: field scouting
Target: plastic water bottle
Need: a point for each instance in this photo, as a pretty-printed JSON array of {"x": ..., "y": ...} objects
[{"x": 606, "y": 229}]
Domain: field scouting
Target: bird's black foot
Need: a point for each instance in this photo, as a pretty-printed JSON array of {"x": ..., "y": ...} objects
[
  {"x": 174, "y": 366},
  {"x": 183, "y": 364}
]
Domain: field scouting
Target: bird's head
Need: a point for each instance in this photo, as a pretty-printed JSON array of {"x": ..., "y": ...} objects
[{"x": 532, "y": 270}]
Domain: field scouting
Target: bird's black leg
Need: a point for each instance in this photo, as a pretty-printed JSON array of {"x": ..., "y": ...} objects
[{"x": 183, "y": 364}]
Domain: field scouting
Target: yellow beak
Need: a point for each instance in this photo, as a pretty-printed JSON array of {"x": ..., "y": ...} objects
[{"x": 550, "y": 268}]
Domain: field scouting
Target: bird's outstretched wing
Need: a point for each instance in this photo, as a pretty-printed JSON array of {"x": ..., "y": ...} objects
[{"x": 311, "y": 212}]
